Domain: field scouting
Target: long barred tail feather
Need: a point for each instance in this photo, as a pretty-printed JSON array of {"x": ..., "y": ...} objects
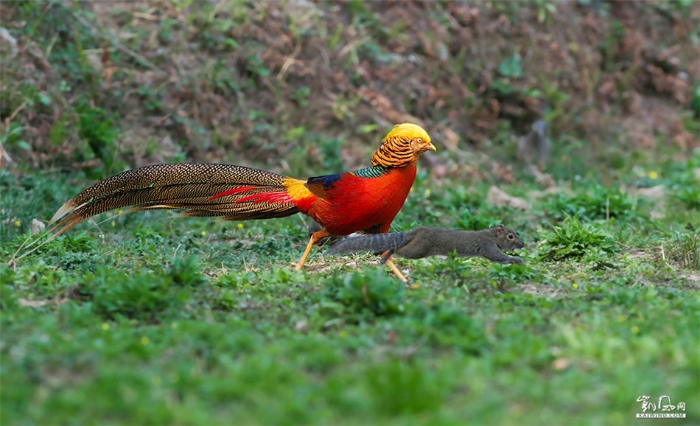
[{"x": 200, "y": 189}]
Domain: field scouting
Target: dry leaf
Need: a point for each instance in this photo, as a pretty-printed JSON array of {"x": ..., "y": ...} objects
[
  {"x": 37, "y": 226},
  {"x": 655, "y": 192},
  {"x": 300, "y": 326},
  {"x": 497, "y": 197},
  {"x": 32, "y": 303},
  {"x": 561, "y": 364}
]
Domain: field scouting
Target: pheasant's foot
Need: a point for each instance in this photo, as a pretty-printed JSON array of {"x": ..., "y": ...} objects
[
  {"x": 390, "y": 264},
  {"x": 313, "y": 240}
]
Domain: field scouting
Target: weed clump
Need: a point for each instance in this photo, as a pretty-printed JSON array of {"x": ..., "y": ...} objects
[
  {"x": 449, "y": 326},
  {"x": 600, "y": 203},
  {"x": 686, "y": 183},
  {"x": 573, "y": 240},
  {"x": 398, "y": 387},
  {"x": 685, "y": 250},
  {"x": 367, "y": 291},
  {"x": 185, "y": 272},
  {"x": 141, "y": 296}
]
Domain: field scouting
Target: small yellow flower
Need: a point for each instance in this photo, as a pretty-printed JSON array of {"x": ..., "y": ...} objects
[
  {"x": 653, "y": 175},
  {"x": 173, "y": 325},
  {"x": 105, "y": 326},
  {"x": 113, "y": 224},
  {"x": 145, "y": 340},
  {"x": 575, "y": 286},
  {"x": 343, "y": 333},
  {"x": 204, "y": 233},
  {"x": 120, "y": 211},
  {"x": 635, "y": 329},
  {"x": 427, "y": 193},
  {"x": 17, "y": 223},
  {"x": 240, "y": 225}
]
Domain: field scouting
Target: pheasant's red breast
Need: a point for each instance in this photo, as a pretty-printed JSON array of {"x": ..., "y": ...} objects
[{"x": 356, "y": 203}]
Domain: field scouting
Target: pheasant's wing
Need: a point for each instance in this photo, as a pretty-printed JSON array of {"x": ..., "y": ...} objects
[{"x": 320, "y": 185}]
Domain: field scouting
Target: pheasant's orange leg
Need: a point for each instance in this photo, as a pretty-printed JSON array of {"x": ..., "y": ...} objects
[
  {"x": 390, "y": 264},
  {"x": 312, "y": 241}
]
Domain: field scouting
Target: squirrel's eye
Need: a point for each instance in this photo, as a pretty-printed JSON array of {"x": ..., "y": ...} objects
[{"x": 510, "y": 236}]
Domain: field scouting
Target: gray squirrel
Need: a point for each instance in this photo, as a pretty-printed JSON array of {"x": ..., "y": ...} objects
[{"x": 426, "y": 241}]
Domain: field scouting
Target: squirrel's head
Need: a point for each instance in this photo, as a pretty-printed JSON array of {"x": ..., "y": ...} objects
[
  {"x": 507, "y": 239},
  {"x": 402, "y": 145}
]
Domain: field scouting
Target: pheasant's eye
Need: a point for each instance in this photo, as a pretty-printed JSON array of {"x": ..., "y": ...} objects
[{"x": 419, "y": 140}]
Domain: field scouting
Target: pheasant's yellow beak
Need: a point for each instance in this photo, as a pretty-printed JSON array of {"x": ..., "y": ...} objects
[{"x": 422, "y": 147}]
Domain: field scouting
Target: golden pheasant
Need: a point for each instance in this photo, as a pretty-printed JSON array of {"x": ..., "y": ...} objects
[{"x": 365, "y": 200}]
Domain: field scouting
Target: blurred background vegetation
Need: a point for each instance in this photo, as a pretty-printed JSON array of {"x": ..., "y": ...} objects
[{"x": 304, "y": 87}]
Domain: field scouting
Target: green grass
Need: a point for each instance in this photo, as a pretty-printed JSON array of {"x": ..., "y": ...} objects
[
  {"x": 151, "y": 319},
  {"x": 147, "y": 318}
]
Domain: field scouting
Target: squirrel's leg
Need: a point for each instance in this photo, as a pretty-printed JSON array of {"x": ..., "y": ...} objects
[
  {"x": 500, "y": 257},
  {"x": 386, "y": 257},
  {"x": 313, "y": 240}
]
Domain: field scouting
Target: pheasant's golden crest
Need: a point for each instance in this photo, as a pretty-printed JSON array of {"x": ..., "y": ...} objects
[{"x": 402, "y": 145}]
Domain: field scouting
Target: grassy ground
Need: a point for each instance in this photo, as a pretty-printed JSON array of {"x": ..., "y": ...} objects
[{"x": 147, "y": 318}]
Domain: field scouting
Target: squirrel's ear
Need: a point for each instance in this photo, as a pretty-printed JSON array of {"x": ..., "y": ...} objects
[{"x": 500, "y": 230}]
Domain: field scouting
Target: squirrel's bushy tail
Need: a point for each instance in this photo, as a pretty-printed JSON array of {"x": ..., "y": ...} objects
[{"x": 376, "y": 243}]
